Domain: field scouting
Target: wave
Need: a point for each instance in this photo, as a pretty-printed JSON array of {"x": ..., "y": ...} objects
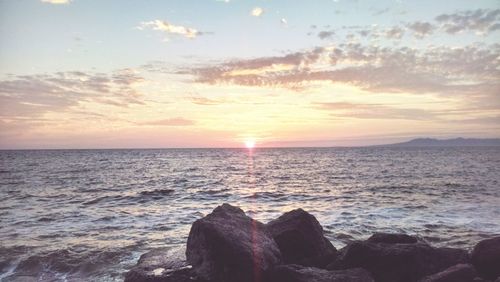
[
  {"x": 67, "y": 264},
  {"x": 157, "y": 192},
  {"x": 139, "y": 197}
]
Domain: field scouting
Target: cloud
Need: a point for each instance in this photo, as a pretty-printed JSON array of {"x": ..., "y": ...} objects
[
  {"x": 394, "y": 33},
  {"x": 400, "y": 112},
  {"x": 480, "y": 20},
  {"x": 257, "y": 12},
  {"x": 56, "y": 1},
  {"x": 326, "y": 34},
  {"x": 380, "y": 12},
  {"x": 375, "y": 111},
  {"x": 470, "y": 70},
  {"x": 204, "y": 101},
  {"x": 492, "y": 120},
  {"x": 421, "y": 29},
  {"x": 34, "y": 95},
  {"x": 168, "y": 28},
  {"x": 169, "y": 122}
]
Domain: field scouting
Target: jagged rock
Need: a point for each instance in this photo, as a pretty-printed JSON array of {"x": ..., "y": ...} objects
[
  {"x": 227, "y": 245},
  {"x": 298, "y": 273},
  {"x": 398, "y": 262},
  {"x": 486, "y": 258},
  {"x": 391, "y": 238},
  {"x": 457, "y": 273},
  {"x": 300, "y": 239},
  {"x": 162, "y": 265}
]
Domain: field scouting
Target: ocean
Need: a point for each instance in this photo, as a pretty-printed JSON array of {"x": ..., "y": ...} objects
[{"x": 73, "y": 215}]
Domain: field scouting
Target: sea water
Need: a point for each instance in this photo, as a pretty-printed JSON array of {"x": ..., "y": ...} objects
[{"x": 88, "y": 214}]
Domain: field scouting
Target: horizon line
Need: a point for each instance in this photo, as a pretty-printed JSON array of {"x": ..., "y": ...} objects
[{"x": 261, "y": 147}]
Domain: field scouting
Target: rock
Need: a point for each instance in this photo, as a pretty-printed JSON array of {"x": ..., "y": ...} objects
[
  {"x": 391, "y": 238},
  {"x": 398, "y": 262},
  {"x": 456, "y": 273},
  {"x": 486, "y": 258},
  {"x": 227, "y": 245},
  {"x": 300, "y": 239},
  {"x": 298, "y": 273},
  {"x": 319, "y": 261},
  {"x": 162, "y": 265}
]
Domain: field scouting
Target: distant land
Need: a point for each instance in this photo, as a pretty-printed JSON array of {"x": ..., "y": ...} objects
[{"x": 457, "y": 142}]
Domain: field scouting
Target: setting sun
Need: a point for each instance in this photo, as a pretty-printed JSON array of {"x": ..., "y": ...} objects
[{"x": 250, "y": 144}]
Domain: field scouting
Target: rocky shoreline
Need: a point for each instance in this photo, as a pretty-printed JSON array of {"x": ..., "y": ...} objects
[{"x": 229, "y": 246}]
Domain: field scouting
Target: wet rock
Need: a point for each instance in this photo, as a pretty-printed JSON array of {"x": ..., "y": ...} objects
[
  {"x": 227, "y": 245},
  {"x": 298, "y": 273},
  {"x": 391, "y": 238},
  {"x": 320, "y": 261},
  {"x": 300, "y": 239},
  {"x": 398, "y": 262},
  {"x": 486, "y": 258},
  {"x": 456, "y": 273},
  {"x": 162, "y": 265}
]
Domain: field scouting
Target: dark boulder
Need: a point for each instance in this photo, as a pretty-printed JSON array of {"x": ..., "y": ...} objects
[
  {"x": 162, "y": 265},
  {"x": 298, "y": 273},
  {"x": 320, "y": 261},
  {"x": 227, "y": 245},
  {"x": 391, "y": 238},
  {"x": 300, "y": 239},
  {"x": 457, "y": 273},
  {"x": 398, "y": 262},
  {"x": 486, "y": 258}
]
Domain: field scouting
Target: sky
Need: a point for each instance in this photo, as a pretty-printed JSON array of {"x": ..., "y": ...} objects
[{"x": 224, "y": 73}]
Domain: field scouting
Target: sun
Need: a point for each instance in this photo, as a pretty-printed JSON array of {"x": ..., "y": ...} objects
[{"x": 250, "y": 143}]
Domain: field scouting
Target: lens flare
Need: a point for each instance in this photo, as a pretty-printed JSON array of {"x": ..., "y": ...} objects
[{"x": 250, "y": 143}]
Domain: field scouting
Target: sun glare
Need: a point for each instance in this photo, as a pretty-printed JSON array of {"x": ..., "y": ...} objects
[{"x": 250, "y": 144}]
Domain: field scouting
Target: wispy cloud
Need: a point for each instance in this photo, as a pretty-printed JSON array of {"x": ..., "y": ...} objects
[
  {"x": 480, "y": 20},
  {"x": 421, "y": 29},
  {"x": 375, "y": 111},
  {"x": 56, "y": 1},
  {"x": 394, "y": 33},
  {"x": 380, "y": 11},
  {"x": 34, "y": 95},
  {"x": 204, "y": 101},
  {"x": 472, "y": 70},
  {"x": 169, "y": 122},
  {"x": 168, "y": 28},
  {"x": 257, "y": 12},
  {"x": 326, "y": 34}
]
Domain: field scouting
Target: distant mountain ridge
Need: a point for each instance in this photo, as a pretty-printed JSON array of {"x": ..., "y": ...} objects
[{"x": 454, "y": 142}]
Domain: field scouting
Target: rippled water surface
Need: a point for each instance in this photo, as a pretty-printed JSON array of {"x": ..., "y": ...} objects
[{"x": 88, "y": 214}]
